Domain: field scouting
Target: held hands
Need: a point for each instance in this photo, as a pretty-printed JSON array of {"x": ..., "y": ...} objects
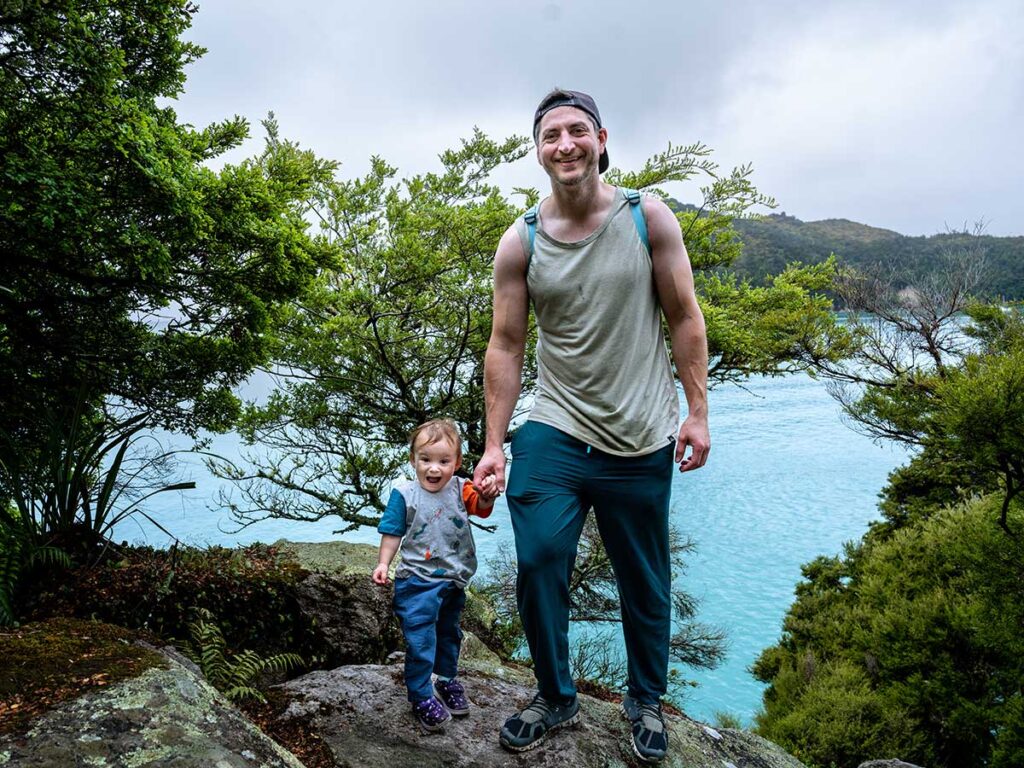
[
  {"x": 488, "y": 489},
  {"x": 489, "y": 476},
  {"x": 695, "y": 434},
  {"x": 380, "y": 574}
]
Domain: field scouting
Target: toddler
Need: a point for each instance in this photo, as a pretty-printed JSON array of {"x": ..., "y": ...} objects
[{"x": 429, "y": 519}]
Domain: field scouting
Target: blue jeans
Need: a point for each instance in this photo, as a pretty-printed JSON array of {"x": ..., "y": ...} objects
[
  {"x": 430, "y": 613},
  {"x": 554, "y": 481}
]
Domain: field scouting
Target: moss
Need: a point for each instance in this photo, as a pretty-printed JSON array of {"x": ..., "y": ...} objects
[
  {"x": 47, "y": 663},
  {"x": 331, "y": 556}
]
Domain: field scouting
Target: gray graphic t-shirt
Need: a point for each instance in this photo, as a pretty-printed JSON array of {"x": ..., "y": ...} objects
[{"x": 436, "y": 539}]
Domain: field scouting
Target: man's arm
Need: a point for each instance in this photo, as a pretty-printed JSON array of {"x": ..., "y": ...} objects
[
  {"x": 503, "y": 363},
  {"x": 673, "y": 279}
]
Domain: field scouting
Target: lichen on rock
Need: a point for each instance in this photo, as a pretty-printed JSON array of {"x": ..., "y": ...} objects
[
  {"x": 362, "y": 715},
  {"x": 166, "y": 715}
]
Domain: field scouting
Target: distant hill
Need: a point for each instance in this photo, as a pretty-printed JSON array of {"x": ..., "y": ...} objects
[{"x": 771, "y": 242}]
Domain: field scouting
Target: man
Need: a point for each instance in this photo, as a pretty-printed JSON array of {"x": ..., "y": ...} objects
[{"x": 604, "y": 428}]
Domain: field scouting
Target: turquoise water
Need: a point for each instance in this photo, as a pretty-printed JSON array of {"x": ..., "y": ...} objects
[{"x": 787, "y": 480}]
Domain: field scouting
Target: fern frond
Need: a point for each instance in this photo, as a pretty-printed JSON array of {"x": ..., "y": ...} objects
[
  {"x": 239, "y": 692},
  {"x": 230, "y": 673},
  {"x": 283, "y": 662}
]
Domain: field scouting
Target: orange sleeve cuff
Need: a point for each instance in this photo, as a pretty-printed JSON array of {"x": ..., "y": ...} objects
[{"x": 472, "y": 501}]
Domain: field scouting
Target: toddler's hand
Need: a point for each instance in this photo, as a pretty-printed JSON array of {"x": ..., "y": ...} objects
[
  {"x": 488, "y": 488},
  {"x": 380, "y": 574}
]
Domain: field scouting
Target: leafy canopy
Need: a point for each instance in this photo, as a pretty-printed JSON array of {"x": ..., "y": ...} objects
[
  {"x": 144, "y": 279},
  {"x": 396, "y": 329}
]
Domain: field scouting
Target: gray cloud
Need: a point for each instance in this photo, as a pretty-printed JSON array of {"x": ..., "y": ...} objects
[{"x": 899, "y": 117}]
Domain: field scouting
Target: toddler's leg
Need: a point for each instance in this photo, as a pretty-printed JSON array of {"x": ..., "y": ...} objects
[
  {"x": 449, "y": 640},
  {"x": 449, "y": 634},
  {"x": 417, "y": 603}
]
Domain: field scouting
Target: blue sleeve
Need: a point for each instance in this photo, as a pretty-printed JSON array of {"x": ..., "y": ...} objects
[{"x": 392, "y": 522}]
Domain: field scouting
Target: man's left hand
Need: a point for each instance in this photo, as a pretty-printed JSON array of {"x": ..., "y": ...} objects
[{"x": 695, "y": 435}]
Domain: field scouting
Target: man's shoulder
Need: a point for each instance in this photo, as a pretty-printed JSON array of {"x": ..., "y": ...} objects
[
  {"x": 662, "y": 226},
  {"x": 655, "y": 207},
  {"x": 510, "y": 258}
]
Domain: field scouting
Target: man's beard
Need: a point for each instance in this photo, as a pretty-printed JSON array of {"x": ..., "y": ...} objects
[{"x": 575, "y": 181}]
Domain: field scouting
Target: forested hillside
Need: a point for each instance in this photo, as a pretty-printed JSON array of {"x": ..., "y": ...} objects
[{"x": 771, "y": 242}]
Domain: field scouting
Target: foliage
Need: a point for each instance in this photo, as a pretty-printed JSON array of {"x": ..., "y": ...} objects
[
  {"x": 249, "y": 589},
  {"x": 594, "y": 602},
  {"x": 146, "y": 284},
  {"x": 909, "y": 645},
  {"x": 20, "y": 552},
  {"x": 771, "y": 329},
  {"x": 727, "y": 720},
  {"x": 393, "y": 335},
  {"x": 966, "y": 417},
  {"x": 595, "y": 657},
  {"x": 395, "y": 332},
  {"x": 981, "y": 415},
  {"x": 66, "y": 496},
  {"x": 930, "y": 367},
  {"x": 89, "y": 483},
  {"x": 233, "y": 675}
]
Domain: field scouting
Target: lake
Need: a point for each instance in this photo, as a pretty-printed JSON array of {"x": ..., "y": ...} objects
[{"x": 787, "y": 480}]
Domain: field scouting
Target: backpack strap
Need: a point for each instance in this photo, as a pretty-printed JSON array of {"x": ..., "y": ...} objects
[
  {"x": 530, "y": 217},
  {"x": 636, "y": 208},
  {"x": 639, "y": 219}
]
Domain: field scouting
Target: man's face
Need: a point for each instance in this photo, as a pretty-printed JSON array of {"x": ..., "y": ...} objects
[
  {"x": 435, "y": 462},
  {"x": 569, "y": 146}
]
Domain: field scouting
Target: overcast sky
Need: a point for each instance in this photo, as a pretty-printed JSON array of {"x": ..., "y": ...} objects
[{"x": 902, "y": 115}]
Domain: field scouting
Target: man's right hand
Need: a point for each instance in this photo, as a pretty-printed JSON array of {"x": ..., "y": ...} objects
[{"x": 491, "y": 465}]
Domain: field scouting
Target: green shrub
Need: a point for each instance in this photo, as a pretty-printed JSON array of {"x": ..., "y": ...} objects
[
  {"x": 20, "y": 553},
  {"x": 911, "y": 645},
  {"x": 250, "y": 590},
  {"x": 840, "y": 717}
]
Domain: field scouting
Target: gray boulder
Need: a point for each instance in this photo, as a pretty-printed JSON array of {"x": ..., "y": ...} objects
[
  {"x": 892, "y": 763},
  {"x": 350, "y": 615},
  {"x": 164, "y": 718},
  {"x": 361, "y": 714}
]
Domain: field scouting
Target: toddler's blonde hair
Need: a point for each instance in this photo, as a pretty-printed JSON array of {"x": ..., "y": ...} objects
[{"x": 434, "y": 431}]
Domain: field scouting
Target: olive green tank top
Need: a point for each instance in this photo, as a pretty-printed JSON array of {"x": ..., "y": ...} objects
[{"x": 603, "y": 371}]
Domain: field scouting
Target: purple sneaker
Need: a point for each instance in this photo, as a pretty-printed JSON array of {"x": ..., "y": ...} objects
[
  {"x": 431, "y": 715},
  {"x": 453, "y": 695}
]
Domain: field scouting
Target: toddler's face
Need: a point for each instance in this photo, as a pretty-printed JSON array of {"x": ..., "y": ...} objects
[{"x": 435, "y": 463}]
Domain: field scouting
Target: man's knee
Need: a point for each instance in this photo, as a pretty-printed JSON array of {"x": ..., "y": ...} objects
[{"x": 542, "y": 556}]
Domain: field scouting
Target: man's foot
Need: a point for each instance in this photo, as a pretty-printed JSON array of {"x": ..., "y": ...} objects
[
  {"x": 453, "y": 695},
  {"x": 650, "y": 736},
  {"x": 526, "y": 729},
  {"x": 431, "y": 715}
]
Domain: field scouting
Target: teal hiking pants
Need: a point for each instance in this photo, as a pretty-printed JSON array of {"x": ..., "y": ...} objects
[{"x": 554, "y": 480}]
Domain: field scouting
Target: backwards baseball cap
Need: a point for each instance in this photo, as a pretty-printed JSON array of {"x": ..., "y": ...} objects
[{"x": 559, "y": 98}]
